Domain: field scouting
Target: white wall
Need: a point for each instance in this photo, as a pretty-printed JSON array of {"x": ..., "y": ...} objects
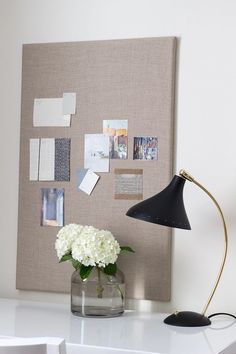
[{"x": 205, "y": 128}]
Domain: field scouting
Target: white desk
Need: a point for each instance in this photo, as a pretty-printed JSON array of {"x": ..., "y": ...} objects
[{"x": 137, "y": 332}]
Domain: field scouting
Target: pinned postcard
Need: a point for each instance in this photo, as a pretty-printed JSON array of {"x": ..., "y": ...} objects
[
  {"x": 86, "y": 180},
  {"x": 69, "y": 102},
  {"x": 52, "y": 209},
  {"x": 48, "y": 112},
  {"x": 128, "y": 184},
  {"x": 145, "y": 148},
  {"x": 117, "y": 130},
  {"x": 96, "y": 152}
]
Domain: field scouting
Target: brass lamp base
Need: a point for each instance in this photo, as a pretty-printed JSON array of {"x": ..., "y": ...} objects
[{"x": 187, "y": 319}]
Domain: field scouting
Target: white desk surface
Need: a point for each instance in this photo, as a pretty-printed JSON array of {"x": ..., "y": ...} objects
[{"x": 137, "y": 331}]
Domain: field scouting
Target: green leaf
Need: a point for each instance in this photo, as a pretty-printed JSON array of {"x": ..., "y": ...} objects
[
  {"x": 76, "y": 264},
  {"x": 85, "y": 271},
  {"x": 126, "y": 249},
  {"x": 66, "y": 257},
  {"x": 110, "y": 269}
]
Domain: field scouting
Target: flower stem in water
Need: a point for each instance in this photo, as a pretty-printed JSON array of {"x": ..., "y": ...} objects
[{"x": 99, "y": 285}]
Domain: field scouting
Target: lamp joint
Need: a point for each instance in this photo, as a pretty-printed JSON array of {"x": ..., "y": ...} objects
[{"x": 186, "y": 175}]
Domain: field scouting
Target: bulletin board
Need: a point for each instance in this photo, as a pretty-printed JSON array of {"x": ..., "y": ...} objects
[{"x": 133, "y": 80}]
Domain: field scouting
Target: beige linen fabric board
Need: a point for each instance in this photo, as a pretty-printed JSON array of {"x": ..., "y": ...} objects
[{"x": 129, "y": 79}]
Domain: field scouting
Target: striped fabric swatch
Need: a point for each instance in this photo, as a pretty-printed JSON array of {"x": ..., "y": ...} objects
[{"x": 49, "y": 159}]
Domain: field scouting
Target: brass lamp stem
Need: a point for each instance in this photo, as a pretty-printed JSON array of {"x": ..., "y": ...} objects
[{"x": 187, "y": 176}]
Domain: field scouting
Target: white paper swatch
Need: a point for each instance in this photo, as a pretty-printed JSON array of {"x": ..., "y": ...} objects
[
  {"x": 48, "y": 112},
  {"x": 69, "y": 102},
  {"x": 89, "y": 180},
  {"x": 47, "y": 160},
  {"x": 34, "y": 160}
]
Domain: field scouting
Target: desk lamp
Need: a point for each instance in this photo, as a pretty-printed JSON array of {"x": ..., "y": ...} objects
[{"x": 167, "y": 208}]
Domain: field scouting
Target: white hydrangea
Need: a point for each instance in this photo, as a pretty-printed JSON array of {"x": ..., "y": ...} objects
[
  {"x": 65, "y": 237},
  {"x": 95, "y": 247}
]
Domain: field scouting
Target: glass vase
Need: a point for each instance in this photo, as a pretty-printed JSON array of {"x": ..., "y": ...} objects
[{"x": 100, "y": 295}]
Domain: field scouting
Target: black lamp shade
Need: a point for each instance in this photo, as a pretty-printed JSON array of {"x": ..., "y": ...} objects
[{"x": 165, "y": 208}]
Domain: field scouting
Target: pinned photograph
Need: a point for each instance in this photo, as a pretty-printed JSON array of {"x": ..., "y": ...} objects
[
  {"x": 96, "y": 152},
  {"x": 117, "y": 130},
  {"x": 128, "y": 184},
  {"x": 145, "y": 148},
  {"x": 52, "y": 210}
]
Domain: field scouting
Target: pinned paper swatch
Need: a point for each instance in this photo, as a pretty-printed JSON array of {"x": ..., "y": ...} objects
[
  {"x": 49, "y": 159},
  {"x": 69, "y": 102},
  {"x": 128, "y": 184},
  {"x": 48, "y": 112},
  {"x": 86, "y": 180},
  {"x": 34, "y": 159},
  {"x": 96, "y": 152}
]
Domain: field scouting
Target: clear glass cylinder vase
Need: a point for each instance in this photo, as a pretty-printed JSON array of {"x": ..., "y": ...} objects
[{"x": 100, "y": 295}]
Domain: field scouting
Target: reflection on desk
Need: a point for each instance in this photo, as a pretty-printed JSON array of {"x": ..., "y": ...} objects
[{"x": 135, "y": 331}]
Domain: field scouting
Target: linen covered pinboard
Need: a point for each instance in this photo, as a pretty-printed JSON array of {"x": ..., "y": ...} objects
[{"x": 130, "y": 79}]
